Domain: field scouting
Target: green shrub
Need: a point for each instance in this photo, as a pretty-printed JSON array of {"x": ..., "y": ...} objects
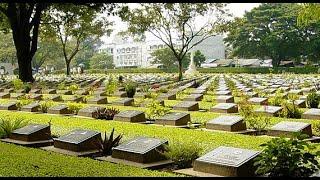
[
  {"x": 163, "y": 90},
  {"x": 245, "y": 107},
  {"x": 27, "y": 87},
  {"x": 107, "y": 113},
  {"x": 17, "y": 84},
  {"x": 111, "y": 86},
  {"x": 45, "y": 105},
  {"x": 291, "y": 110},
  {"x": 73, "y": 88},
  {"x": 75, "y": 107},
  {"x": 287, "y": 157},
  {"x": 107, "y": 144},
  {"x": 8, "y": 125},
  {"x": 258, "y": 122},
  {"x": 23, "y": 102},
  {"x": 313, "y": 100},
  {"x": 130, "y": 88},
  {"x": 62, "y": 86},
  {"x": 276, "y": 100},
  {"x": 182, "y": 154},
  {"x": 151, "y": 95},
  {"x": 155, "y": 110},
  {"x": 316, "y": 128}
]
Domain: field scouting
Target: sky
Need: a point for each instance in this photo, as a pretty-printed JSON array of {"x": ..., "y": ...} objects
[{"x": 237, "y": 9}]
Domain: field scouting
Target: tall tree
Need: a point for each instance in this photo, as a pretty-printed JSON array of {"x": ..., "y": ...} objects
[
  {"x": 101, "y": 61},
  {"x": 271, "y": 31},
  {"x": 7, "y": 49},
  {"x": 23, "y": 19},
  {"x": 167, "y": 20},
  {"x": 89, "y": 48},
  {"x": 166, "y": 57},
  {"x": 72, "y": 24},
  {"x": 198, "y": 58},
  {"x": 309, "y": 13},
  {"x": 48, "y": 48}
]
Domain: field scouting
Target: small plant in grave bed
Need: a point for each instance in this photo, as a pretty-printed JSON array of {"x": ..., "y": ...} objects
[
  {"x": 107, "y": 113},
  {"x": 288, "y": 157},
  {"x": 182, "y": 154},
  {"x": 107, "y": 144},
  {"x": 45, "y": 105},
  {"x": 313, "y": 100},
  {"x": 155, "y": 110},
  {"x": 75, "y": 107},
  {"x": 7, "y": 125},
  {"x": 130, "y": 88}
]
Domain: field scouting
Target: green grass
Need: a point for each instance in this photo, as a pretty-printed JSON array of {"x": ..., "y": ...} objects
[
  {"x": 208, "y": 140},
  {"x": 21, "y": 161}
]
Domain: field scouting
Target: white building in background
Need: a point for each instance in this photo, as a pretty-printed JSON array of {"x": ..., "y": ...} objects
[{"x": 138, "y": 54}]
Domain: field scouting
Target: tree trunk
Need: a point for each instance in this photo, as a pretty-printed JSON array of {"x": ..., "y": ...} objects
[
  {"x": 25, "y": 69},
  {"x": 68, "y": 68},
  {"x": 276, "y": 62},
  {"x": 180, "y": 69}
]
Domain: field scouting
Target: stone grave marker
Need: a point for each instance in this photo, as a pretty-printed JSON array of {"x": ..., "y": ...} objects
[
  {"x": 97, "y": 100},
  {"x": 50, "y": 91},
  {"x": 227, "y": 123},
  {"x": 32, "y": 107},
  {"x": 82, "y": 92},
  {"x": 120, "y": 94},
  {"x": 4, "y": 95},
  {"x": 141, "y": 150},
  {"x": 299, "y": 103},
  {"x": 9, "y": 106},
  {"x": 100, "y": 93},
  {"x": 225, "y": 108},
  {"x": 36, "y": 96},
  {"x": 78, "y": 142},
  {"x": 199, "y": 91},
  {"x": 223, "y": 93},
  {"x": 90, "y": 111},
  {"x": 287, "y": 128},
  {"x": 124, "y": 102},
  {"x": 35, "y": 135},
  {"x": 269, "y": 110},
  {"x": 258, "y": 101},
  {"x": 65, "y": 92},
  {"x": 17, "y": 95},
  {"x": 251, "y": 94},
  {"x": 56, "y": 98},
  {"x": 9, "y": 90},
  {"x": 187, "y": 106},
  {"x": 174, "y": 119},
  {"x": 227, "y": 161},
  {"x": 130, "y": 116},
  {"x": 59, "y": 109},
  {"x": 35, "y": 91},
  {"x": 194, "y": 97},
  {"x": 225, "y": 99},
  {"x": 74, "y": 99},
  {"x": 312, "y": 113},
  {"x": 140, "y": 95},
  {"x": 167, "y": 96},
  {"x": 296, "y": 92}
]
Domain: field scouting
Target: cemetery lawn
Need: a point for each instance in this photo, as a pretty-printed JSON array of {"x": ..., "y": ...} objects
[
  {"x": 207, "y": 140},
  {"x": 21, "y": 161}
]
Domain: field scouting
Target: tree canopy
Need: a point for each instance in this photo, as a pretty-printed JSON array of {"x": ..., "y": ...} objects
[
  {"x": 271, "y": 31},
  {"x": 175, "y": 24}
]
